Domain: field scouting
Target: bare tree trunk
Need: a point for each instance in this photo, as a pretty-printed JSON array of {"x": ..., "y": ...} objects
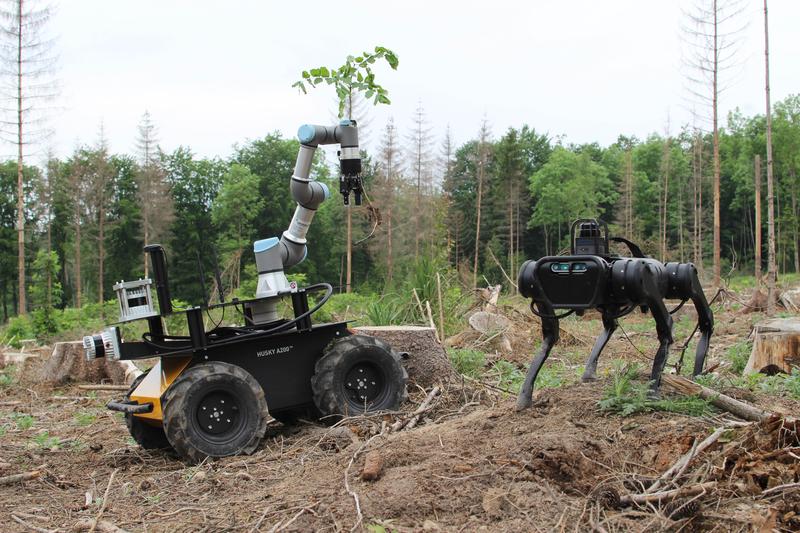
[
  {"x": 771, "y": 267},
  {"x": 681, "y": 207},
  {"x": 794, "y": 221},
  {"x": 757, "y": 228},
  {"x": 5, "y": 305},
  {"x": 101, "y": 258},
  {"x": 349, "y": 275},
  {"x": 695, "y": 223},
  {"x": 389, "y": 253},
  {"x": 511, "y": 197},
  {"x": 146, "y": 238},
  {"x": 478, "y": 224},
  {"x": 780, "y": 247},
  {"x": 418, "y": 210},
  {"x": 22, "y": 307},
  {"x": 665, "y": 168},
  {"x": 546, "y": 240},
  {"x": 517, "y": 246},
  {"x": 628, "y": 194},
  {"x": 49, "y": 251},
  {"x": 457, "y": 239},
  {"x": 78, "y": 281},
  {"x": 698, "y": 215},
  {"x": 714, "y": 105}
]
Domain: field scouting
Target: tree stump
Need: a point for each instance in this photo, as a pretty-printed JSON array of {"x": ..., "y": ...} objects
[
  {"x": 427, "y": 363},
  {"x": 776, "y": 346},
  {"x": 68, "y": 363}
]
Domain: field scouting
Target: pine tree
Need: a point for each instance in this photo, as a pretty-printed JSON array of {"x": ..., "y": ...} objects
[
  {"x": 712, "y": 34},
  {"x": 418, "y": 161},
  {"x": 481, "y": 164},
  {"x": 27, "y": 64},
  {"x": 389, "y": 155},
  {"x": 153, "y": 190},
  {"x": 772, "y": 273}
]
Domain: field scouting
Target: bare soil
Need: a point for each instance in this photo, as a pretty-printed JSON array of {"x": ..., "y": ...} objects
[{"x": 472, "y": 464}]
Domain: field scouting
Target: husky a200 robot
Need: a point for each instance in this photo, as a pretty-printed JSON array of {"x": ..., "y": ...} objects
[{"x": 211, "y": 392}]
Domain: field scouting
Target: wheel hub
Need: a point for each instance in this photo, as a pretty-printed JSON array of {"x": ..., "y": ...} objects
[
  {"x": 217, "y": 412},
  {"x": 364, "y": 383}
]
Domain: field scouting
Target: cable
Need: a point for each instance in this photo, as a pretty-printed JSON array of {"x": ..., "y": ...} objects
[
  {"x": 557, "y": 317},
  {"x": 625, "y": 334},
  {"x": 675, "y": 310},
  {"x": 625, "y": 312},
  {"x": 240, "y": 338},
  {"x": 216, "y": 326},
  {"x": 679, "y": 364}
]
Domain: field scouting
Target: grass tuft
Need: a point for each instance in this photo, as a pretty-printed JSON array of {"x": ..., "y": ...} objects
[
  {"x": 467, "y": 361},
  {"x": 627, "y": 397}
]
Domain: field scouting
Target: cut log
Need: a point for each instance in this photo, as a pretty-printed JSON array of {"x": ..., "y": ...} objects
[
  {"x": 791, "y": 300},
  {"x": 488, "y": 323},
  {"x": 68, "y": 363},
  {"x": 492, "y": 327},
  {"x": 776, "y": 346},
  {"x": 743, "y": 410},
  {"x": 427, "y": 363}
]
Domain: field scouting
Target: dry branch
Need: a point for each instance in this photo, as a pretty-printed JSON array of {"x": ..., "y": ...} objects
[
  {"x": 104, "y": 387},
  {"x": 101, "y": 526},
  {"x": 441, "y": 307},
  {"x": 781, "y": 488},
  {"x": 668, "y": 494},
  {"x": 677, "y": 469},
  {"x": 742, "y": 410},
  {"x": 38, "y": 529},
  {"x": 411, "y": 422},
  {"x": 19, "y": 478},
  {"x": 105, "y": 502},
  {"x": 430, "y": 319}
]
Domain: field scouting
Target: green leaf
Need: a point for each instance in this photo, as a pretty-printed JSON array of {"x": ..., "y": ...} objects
[
  {"x": 317, "y": 80},
  {"x": 323, "y": 71},
  {"x": 369, "y": 93},
  {"x": 315, "y": 72},
  {"x": 306, "y": 75}
]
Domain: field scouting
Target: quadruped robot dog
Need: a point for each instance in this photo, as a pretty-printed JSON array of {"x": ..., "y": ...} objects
[
  {"x": 211, "y": 392},
  {"x": 591, "y": 278}
]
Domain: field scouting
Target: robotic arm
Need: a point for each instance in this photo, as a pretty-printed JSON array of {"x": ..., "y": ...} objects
[{"x": 273, "y": 255}]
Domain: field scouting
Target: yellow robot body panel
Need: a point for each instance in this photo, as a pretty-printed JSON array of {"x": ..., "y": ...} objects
[{"x": 161, "y": 376}]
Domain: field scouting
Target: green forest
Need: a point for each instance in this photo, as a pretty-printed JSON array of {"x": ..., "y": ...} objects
[{"x": 89, "y": 215}]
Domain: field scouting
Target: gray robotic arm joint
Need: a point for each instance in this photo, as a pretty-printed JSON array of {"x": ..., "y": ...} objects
[{"x": 273, "y": 255}]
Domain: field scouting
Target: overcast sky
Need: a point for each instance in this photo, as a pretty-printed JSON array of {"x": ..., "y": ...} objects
[{"x": 213, "y": 74}]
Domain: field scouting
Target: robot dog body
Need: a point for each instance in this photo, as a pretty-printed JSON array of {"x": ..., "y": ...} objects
[{"x": 591, "y": 278}]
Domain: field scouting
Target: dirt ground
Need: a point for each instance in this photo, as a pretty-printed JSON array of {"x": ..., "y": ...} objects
[{"x": 472, "y": 464}]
